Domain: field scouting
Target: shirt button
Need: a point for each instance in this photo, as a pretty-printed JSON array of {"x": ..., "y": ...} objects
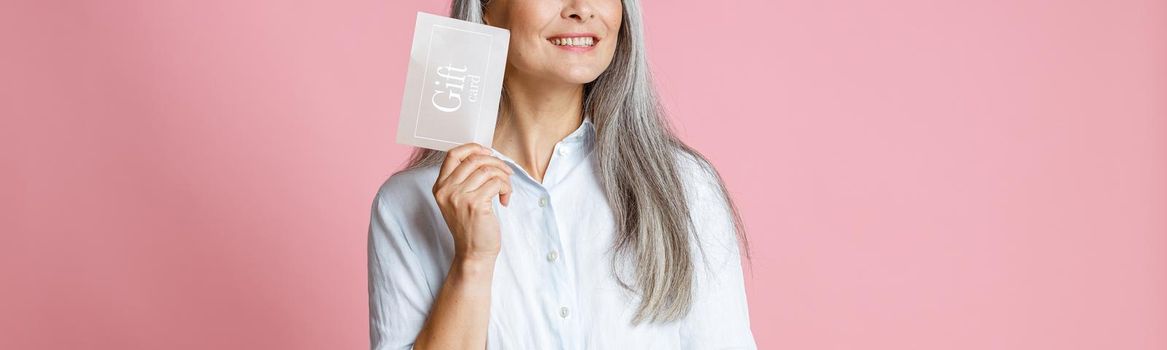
[
  {"x": 552, "y": 256},
  {"x": 562, "y": 151},
  {"x": 563, "y": 312},
  {"x": 543, "y": 202}
]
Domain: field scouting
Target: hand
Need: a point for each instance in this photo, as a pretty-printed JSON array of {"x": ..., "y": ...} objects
[{"x": 469, "y": 179}]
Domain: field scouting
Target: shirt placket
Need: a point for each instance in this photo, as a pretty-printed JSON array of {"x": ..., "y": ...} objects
[{"x": 564, "y": 293}]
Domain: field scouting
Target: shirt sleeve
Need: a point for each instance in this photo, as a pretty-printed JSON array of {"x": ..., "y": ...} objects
[
  {"x": 399, "y": 298},
  {"x": 719, "y": 318}
]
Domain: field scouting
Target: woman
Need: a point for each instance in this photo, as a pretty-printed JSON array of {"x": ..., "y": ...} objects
[{"x": 588, "y": 225}]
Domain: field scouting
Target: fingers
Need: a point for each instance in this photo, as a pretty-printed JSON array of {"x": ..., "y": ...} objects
[
  {"x": 472, "y": 170},
  {"x": 494, "y": 186},
  {"x": 481, "y": 176},
  {"x": 472, "y": 163},
  {"x": 456, "y": 155}
]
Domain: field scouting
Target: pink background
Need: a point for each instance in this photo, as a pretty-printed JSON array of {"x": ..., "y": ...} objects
[{"x": 914, "y": 174}]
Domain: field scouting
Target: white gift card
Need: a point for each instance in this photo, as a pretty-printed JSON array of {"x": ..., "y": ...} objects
[{"x": 454, "y": 82}]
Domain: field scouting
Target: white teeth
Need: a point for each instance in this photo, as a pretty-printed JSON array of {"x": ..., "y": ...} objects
[{"x": 576, "y": 41}]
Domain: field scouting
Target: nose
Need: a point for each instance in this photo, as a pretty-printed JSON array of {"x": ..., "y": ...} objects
[{"x": 580, "y": 11}]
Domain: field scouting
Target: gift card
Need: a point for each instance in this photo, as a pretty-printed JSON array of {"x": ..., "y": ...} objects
[{"x": 454, "y": 83}]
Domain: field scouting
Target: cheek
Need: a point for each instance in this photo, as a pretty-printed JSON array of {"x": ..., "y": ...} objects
[
  {"x": 609, "y": 53},
  {"x": 613, "y": 13},
  {"x": 612, "y": 16},
  {"x": 529, "y": 43},
  {"x": 531, "y": 53}
]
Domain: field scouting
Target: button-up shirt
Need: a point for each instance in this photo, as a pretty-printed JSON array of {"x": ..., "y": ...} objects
[{"x": 552, "y": 286}]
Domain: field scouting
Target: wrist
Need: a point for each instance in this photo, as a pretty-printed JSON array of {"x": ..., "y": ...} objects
[{"x": 472, "y": 266}]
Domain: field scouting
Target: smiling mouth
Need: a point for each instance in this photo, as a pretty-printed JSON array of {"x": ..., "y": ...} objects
[{"x": 578, "y": 41}]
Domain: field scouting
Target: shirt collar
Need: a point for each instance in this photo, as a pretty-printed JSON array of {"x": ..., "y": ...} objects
[
  {"x": 582, "y": 139},
  {"x": 584, "y": 130}
]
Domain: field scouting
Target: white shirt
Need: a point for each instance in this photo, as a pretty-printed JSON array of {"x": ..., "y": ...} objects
[{"x": 552, "y": 287}]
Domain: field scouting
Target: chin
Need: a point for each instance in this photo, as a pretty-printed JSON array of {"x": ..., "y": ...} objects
[{"x": 580, "y": 75}]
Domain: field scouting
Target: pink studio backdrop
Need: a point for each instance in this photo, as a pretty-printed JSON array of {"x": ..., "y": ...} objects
[{"x": 914, "y": 174}]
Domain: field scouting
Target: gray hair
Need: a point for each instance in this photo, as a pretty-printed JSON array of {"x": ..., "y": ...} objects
[{"x": 638, "y": 170}]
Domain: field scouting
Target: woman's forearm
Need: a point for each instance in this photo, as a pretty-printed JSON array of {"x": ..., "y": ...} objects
[{"x": 461, "y": 312}]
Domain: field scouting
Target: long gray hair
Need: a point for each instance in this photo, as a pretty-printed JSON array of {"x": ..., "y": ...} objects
[{"x": 638, "y": 170}]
